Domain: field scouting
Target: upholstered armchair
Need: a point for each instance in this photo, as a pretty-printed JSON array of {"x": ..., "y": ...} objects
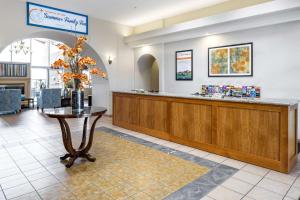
[
  {"x": 49, "y": 98},
  {"x": 10, "y": 101}
]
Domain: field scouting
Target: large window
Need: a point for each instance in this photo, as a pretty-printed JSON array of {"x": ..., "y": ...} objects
[{"x": 40, "y": 53}]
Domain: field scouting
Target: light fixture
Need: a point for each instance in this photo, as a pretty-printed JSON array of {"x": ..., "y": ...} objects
[
  {"x": 20, "y": 47},
  {"x": 109, "y": 60}
]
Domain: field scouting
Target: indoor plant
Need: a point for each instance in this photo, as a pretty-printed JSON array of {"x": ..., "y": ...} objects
[{"x": 72, "y": 68}]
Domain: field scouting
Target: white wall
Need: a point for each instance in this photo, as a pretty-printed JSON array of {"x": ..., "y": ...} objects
[
  {"x": 276, "y": 61},
  {"x": 104, "y": 37}
]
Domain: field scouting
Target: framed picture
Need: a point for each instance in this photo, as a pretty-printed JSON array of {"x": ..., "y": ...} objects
[
  {"x": 231, "y": 61},
  {"x": 184, "y": 65}
]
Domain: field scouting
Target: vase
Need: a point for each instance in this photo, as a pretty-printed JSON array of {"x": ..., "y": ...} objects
[
  {"x": 66, "y": 93},
  {"x": 77, "y": 99},
  {"x": 77, "y": 96}
]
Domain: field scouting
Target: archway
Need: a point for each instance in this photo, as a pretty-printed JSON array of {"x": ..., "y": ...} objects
[
  {"x": 100, "y": 87},
  {"x": 148, "y": 73}
]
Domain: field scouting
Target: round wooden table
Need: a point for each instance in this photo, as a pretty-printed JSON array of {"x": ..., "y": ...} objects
[{"x": 61, "y": 114}]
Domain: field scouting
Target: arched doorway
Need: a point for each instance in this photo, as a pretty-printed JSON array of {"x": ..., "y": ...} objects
[
  {"x": 148, "y": 73},
  {"x": 100, "y": 87}
]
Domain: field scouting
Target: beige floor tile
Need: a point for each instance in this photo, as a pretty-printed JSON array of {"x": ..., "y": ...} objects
[
  {"x": 247, "y": 177},
  {"x": 44, "y": 182},
  {"x": 237, "y": 185},
  {"x": 30, "y": 196},
  {"x": 18, "y": 191},
  {"x": 35, "y": 171},
  {"x": 215, "y": 158},
  {"x": 294, "y": 193},
  {"x": 11, "y": 178},
  {"x": 26, "y": 161},
  {"x": 31, "y": 166},
  {"x": 9, "y": 172},
  {"x": 256, "y": 170},
  {"x": 262, "y": 194},
  {"x": 234, "y": 163},
  {"x": 297, "y": 182},
  {"x": 14, "y": 183},
  {"x": 184, "y": 148},
  {"x": 288, "y": 198},
  {"x": 2, "y": 197},
  {"x": 274, "y": 186},
  {"x": 247, "y": 198},
  {"x": 34, "y": 177},
  {"x": 222, "y": 193},
  {"x": 199, "y": 153},
  {"x": 284, "y": 178}
]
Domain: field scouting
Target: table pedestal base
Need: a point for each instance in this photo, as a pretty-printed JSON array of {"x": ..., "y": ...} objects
[
  {"x": 84, "y": 148},
  {"x": 71, "y": 160}
]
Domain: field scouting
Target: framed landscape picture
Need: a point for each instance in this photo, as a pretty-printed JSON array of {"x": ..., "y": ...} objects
[
  {"x": 184, "y": 65},
  {"x": 230, "y": 61}
]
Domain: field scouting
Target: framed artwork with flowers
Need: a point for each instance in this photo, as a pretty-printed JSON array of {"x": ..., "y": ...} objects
[{"x": 231, "y": 61}]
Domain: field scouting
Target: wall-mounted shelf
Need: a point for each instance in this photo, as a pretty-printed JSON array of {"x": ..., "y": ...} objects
[
  {"x": 14, "y": 73},
  {"x": 14, "y": 70}
]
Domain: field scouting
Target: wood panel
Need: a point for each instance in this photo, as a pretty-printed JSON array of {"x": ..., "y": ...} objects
[
  {"x": 292, "y": 138},
  {"x": 154, "y": 114},
  {"x": 260, "y": 134},
  {"x": 255, "y": 132},
  {"x": 191, "y": 122},
  {"x": 126, "y": 110}
]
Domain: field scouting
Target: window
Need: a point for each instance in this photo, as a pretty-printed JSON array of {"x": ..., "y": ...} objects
[
  {"x": 40, "y": 52},
  {"x": 54, "y": 79},
  {"x": 5, "y": 55},
  {"x": 55, "y": 52}
]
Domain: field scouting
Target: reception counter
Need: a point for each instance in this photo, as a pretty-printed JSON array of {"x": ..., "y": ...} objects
[{"x": 258, "y": 131}]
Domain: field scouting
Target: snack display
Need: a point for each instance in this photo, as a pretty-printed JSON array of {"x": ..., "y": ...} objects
[{"x": 231, "y": 91}]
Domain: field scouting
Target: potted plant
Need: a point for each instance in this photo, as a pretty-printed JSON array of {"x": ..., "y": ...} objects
[{"x": 72, "y": 68}]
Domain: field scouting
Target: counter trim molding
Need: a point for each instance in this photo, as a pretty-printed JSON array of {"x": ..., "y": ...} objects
[{"x": 269, "y": 101}]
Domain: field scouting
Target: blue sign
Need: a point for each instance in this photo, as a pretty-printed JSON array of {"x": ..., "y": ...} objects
[{"x": 54, "y": 18}]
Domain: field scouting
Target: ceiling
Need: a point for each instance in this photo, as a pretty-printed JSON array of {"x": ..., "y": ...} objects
[{"x": 130, "y": 12}]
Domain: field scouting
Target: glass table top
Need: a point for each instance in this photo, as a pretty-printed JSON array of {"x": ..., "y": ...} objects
[{"x": 68, "y": 112}]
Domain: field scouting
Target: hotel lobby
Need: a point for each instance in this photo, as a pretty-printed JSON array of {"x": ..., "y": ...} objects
[{"x": 138, "y": 100}]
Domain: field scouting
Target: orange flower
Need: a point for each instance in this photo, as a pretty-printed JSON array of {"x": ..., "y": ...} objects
[
  {"x": 60, "y": 63},
  {"x": 82, "y": 77},
  {"x": 99, "y": 72},
  {"x": 81, "y": 40},
  {"x": 79, "y": 43},
  {"x": 67, "y": 76},
  {"x": 82, "y": 64},
  {"x": 65, "y": 48},
  {"x": 84, "y": 61}
]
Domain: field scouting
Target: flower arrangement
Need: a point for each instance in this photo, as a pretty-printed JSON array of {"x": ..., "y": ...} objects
[{"x": 74, "y": 65}]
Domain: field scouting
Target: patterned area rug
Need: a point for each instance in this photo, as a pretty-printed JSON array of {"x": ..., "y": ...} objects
[{"x": 132, "y": 168}]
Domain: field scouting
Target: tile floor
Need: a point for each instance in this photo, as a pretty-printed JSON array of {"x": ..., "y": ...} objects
[{"x": 30, "y": 168}]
